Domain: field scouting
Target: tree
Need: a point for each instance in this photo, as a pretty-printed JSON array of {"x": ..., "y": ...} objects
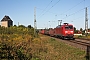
[
  {"x": 89, "y": 29},
  {"x": 81, "y": 29},
  {"x": 29, "y": 26},
  {"x": 21, "y": 26},
  {"x": 15, "y": 25},
  {"x": 74, "y": 29}
]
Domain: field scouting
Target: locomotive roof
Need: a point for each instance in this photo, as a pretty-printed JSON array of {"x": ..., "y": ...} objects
[
  {"x": 58, "y": 26},
  {"x": 63, "y": 25}
]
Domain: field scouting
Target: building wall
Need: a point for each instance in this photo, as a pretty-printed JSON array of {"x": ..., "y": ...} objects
[
  {"x": 4, "y": 23},
  {"x": 10, "y": 23},
  {"x": 7, "y": 23}
]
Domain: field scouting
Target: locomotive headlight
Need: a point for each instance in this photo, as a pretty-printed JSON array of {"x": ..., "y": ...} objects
[
  {"x": 66, "y": 31},
  {"x": 72, "y": 31}
]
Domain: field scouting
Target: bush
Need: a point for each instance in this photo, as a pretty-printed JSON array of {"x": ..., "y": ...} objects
[
  {"x": 15, "y": 43},
  {"x": 80, "y": 36}
]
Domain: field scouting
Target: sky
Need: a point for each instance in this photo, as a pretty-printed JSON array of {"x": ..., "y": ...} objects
[{"x": 48, "y": 12}]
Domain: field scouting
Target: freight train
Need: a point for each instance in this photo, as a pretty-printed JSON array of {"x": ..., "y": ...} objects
[{"x": 65, "y": 31}]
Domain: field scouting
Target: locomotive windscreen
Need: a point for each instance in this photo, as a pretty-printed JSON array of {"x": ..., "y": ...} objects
[{"x": 68, "y": 27}]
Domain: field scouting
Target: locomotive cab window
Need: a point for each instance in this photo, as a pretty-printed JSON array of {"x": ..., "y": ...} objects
[{"x": 68, "y": 27}]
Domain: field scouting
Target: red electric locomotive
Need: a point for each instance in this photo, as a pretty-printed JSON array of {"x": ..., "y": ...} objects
[{"x": 64, "y": 31}]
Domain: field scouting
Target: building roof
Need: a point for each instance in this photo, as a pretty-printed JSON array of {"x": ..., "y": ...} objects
[{"x": 6, "y": 18}]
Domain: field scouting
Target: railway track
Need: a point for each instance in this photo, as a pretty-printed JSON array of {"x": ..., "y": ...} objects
[{"x": 80, "y": 42}]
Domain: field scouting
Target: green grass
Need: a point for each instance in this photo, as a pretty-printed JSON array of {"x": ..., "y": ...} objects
[
  {"x": 57, "y": 50},
  {"x": 83, "y": 37}
]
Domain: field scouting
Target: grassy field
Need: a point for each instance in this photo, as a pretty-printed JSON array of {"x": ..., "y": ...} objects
[
  {"x": 25, "y": 47},
  {"x": 56, "y": 50}
]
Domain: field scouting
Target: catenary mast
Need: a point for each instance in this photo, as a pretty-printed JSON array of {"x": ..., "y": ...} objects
[
  {"x": 86, "y": 21},
  {"x": 35, "y": 26}
]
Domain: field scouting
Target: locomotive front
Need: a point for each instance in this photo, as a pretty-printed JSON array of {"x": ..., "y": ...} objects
[{"x": 68, "y": 31}]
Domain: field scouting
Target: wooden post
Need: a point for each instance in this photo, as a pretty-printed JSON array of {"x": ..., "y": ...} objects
[{"x": 88, "y": 53}]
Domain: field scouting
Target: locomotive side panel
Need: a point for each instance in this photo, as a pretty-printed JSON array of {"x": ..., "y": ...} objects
[
  {"x": 58, "y": 31},
  {"x": 42, "y": 31},
  {"x": 51, "y": 32}
]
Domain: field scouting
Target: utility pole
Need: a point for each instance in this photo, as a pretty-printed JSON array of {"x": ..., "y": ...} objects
[
  {"x": 35, "y": 26},
  {"x": 18, "y": 23},
  {"x": 86, "y": 21}
]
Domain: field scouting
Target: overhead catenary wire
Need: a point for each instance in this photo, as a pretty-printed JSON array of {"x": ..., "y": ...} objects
[
  {"x": 50, "y": 8},
  {"x": 46, "y": 7},
  {"x": 75, "y": 12},
  {"x": 78, "y": 18},
  {"x": 72, "y": 7},
  {"x": 67, "y": 10},
  {"x": 45, "y": 11},
  {"x": 62, "y": 13},
  {"x": 68, "y": 15}
]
